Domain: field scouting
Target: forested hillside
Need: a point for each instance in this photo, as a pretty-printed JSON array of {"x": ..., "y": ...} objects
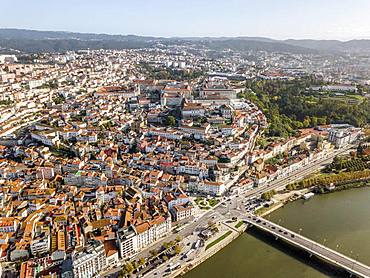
[{"x": 289, "y": 105}]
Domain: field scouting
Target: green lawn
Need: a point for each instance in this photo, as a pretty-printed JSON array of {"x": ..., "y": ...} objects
[
  {"x": 358, "y": 97},
  {"x": 239, "y": 224},
  {"x": 218, "y": 240},
  {"x": 206, "y": 203},
  {"x": 262, "y": 210},
  {"x": 213, "y": 202},
  {"x": 345, "y": 98}
]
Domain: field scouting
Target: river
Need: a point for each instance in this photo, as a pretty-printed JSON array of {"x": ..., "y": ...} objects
[{"x": 340, "y": 220}]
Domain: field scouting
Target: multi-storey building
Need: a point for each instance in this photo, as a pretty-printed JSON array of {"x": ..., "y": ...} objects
[
  {"x": 127, "y": 242},
  {"x": 90, "y": 261}
]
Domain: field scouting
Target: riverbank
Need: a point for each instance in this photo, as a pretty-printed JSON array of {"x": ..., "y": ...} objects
[
  {"x": 359, "y": 184},
  {"x": 280, "y": 200},
  {"x": 235, "y": 229},
  {"x": 335, "y": 220},
  {"x": 213, "y": 246},
  {"x": 218, "y": 242}
]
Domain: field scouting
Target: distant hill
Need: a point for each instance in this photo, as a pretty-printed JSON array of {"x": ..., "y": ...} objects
[
  {"x": 10, "y": 33},
  {"x": 333, "y": 45},
  {"x": 243, "y": 44},
  {"x": 62, "y": 45},
  {"x": 57, "y": 41}
]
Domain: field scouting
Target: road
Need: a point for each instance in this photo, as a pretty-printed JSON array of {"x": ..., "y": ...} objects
[
  {"x": 296, "y": 175},
  {"x": 187, "y": 245}
]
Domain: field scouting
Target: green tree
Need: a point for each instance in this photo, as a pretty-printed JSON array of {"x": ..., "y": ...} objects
[
  {"x": 177, "y": 249},
  {"x": 306, "y": 121},
  {"x": 266, "y": 196},
  {"x": 122, "y": 273},
  {"x": 314, "y": 121},
  {"x": 288, "y": 105},
  {"x": 141, "y": 261},
  {"x": 166, "y": 245},
  {"x": 129, "y": 267},
  {"x": 153, "y": 252},
  {"x": 59, "y": 100},
  {"x": 321, "y": 120},
  {"x": 171, "y": 121}
]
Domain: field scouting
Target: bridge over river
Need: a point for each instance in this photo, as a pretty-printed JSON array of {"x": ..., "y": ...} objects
[{"x": 337, "y": 259}]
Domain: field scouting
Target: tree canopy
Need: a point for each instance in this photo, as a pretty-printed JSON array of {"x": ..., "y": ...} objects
[
  {"x": 288, "y": 105},
  {"x": 171, "y": 121}
]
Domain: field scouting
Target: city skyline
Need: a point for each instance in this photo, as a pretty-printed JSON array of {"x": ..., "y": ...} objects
[
  {"x": 340, "y": 20},
  {"x": 198, "y": 138}
]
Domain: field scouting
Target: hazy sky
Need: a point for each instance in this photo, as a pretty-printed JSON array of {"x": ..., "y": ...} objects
[{"x": 319, "y": 19}]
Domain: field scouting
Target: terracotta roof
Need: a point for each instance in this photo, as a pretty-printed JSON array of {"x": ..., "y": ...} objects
[
  {"x": 143, "y": 227},
  {"x": 110, "y": 247}
]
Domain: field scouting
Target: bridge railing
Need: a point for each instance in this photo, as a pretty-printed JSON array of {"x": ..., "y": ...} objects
[{"x": 333, "y": 256}]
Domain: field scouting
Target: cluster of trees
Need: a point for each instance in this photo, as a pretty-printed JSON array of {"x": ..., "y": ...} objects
[
  {"x": 335, "y": 179},
  {"x": 291, "y": 186},
  {"x": 52, "y": 84},
  {"x": 354, "y": 164},
  {"x": 58, "y": 99},
  {"x": 134, "y": 148},
  {"x": 223, "y": 159},
  {"x": 130, "y": 267},
  {"x": 171, "y": 74},
  {"x": 268, "y": 195},
  {"x": 347, "y": 186},
  {"x": 277, "y": 159},
  {"x": 170, "y": 121},
  {"x": 108, "y": 125},
  {"x": 6, "y": 102},
  {"x": 288, "y": 106}
]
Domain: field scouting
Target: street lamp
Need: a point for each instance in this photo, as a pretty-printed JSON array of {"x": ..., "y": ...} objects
[
  {"x": 336, "y": 249},
  {"x": 300, "y": 230},
  {"x": 325, "y": 240},
  {"x": 356, "y": 260}
]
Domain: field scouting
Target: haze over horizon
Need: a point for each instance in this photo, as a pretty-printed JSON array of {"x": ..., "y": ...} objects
[{"x": 285, "y": 19}]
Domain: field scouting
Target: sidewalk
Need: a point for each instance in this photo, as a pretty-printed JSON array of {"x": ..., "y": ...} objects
[{"x": 206, "y": 254}]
